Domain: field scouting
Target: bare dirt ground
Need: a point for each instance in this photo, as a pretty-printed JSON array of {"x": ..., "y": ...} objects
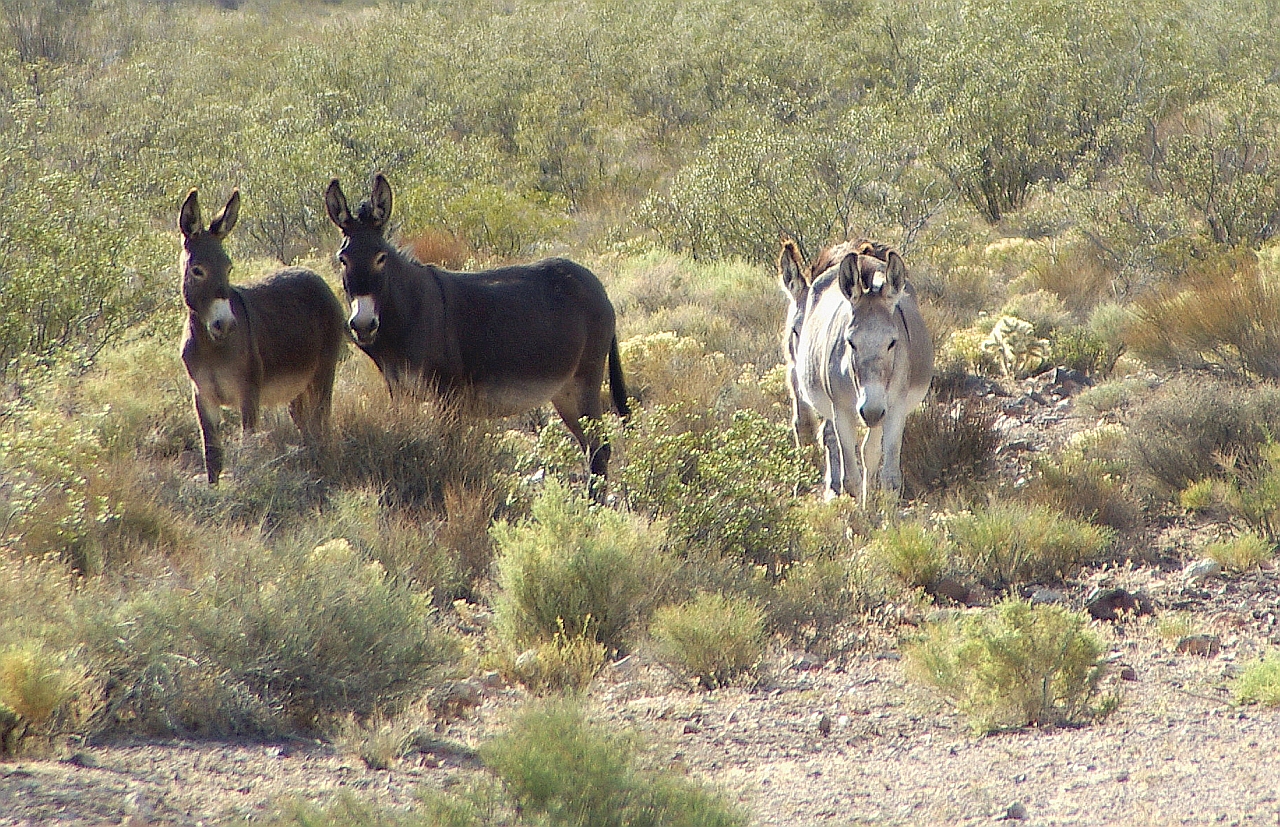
[{"x": 848, "y": 741}]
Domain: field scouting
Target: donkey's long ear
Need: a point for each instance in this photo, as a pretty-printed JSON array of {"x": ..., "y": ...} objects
[
  {"x": 225, "y": 221},
  {"x": 189, "y": 215},
  {"x": 850, "y": 278},
  {"x": 791, "y": 270},
  {"x": 895, "y": 272},
  {"x": 380, "y": 201},
  {"x": 335, "y": 203}
]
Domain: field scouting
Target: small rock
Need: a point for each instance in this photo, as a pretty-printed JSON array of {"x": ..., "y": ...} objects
[
  {"x": 1109, "y": 604},
  {"x": 824, "y": 725},
  {"x": 807, "y": 662},
  {"x": 1206, "y": 646},
  {"x": 1016, "y": 811},
  {"x": 1128, "y": 673},
  {"x": 691, "y": 728},
  {"x": 1047, "y": 596},
  {"x": 949, "y": 588},
  {"x": 1201, "y": 570},
  {"x": 82, "y": 759}
]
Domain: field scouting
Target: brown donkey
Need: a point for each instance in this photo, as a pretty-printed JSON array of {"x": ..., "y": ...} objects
[
  {"x": 261, "y": 344},
  {"x": 501, "y": 341}
]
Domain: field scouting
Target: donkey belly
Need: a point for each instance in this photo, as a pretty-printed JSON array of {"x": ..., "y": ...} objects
[
  {"x": 284, "y": 388},
  {"x": 515, "y": 397}
]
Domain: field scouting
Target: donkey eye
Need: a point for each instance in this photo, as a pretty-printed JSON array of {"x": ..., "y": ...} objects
[
  {"x": 198, "y": 271},
  {"x": 380, "y": 259}
]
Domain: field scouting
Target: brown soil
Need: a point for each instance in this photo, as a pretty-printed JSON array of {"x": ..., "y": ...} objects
[{"x": 849, "y": 741}]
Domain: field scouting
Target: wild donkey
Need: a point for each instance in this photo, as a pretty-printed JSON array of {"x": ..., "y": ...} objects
[
  {"x": 262, "y": 344},
  {"x": 501, "y": 341},
  {"x": 856, "y": 349}
]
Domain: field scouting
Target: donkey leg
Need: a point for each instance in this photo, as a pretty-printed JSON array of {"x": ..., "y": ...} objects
[
  {"x": 804, "y": 421},
  {"x": 895, "y": 423},
  {"x": 580, "y": 400},
  {"x": 847, "y": 434},
  {"x": 872, "y": 454},
  {"x": 210, "y": 416},
  {"x": 249, "y": 405},
  {"x": 834, "y": 462}
]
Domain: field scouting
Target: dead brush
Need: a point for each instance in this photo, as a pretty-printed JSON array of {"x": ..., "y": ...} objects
[
  {"x": 1223, "y": 314},
  {"x": 948, "y": 445}
]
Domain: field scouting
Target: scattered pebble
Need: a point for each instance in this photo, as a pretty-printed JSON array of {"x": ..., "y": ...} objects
[
  {"x": 1201, "y": 570},
  {"x": 1109, "y": 604},
  {"x": 1206, "y": 646}
]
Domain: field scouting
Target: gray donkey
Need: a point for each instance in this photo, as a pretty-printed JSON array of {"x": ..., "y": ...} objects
[
  {"x": 268, "y": 343},
  {"x": 500, "y": 342},
  {"x": 857, "y": 354}
]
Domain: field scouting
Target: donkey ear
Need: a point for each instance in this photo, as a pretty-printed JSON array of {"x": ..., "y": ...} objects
[
  {"x": 381, "y": 201},
  {"x": 225, "y": 221},
  {"x": 849, "y": 276},
  {"x": 791, "y": 270},
  {"x": 335, "y": 203},
  {"x": 189, "y": 215},
  {"x": 896, "y": 272}
]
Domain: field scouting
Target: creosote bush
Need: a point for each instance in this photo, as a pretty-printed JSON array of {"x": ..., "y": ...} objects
[
  {"x": 712, "y": 638},
  {"x": 576, "y": 568},
  {"x": 1013, "y": 665},
  {"x": 1242, "y": 552}
]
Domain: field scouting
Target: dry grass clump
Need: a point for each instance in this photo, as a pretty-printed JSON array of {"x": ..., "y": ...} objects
[
  {"x": 1242, "y": 552},
  {"x": 1259, "y": 682},
  {"x": 1224, "y": 313},
  {"x": 1078, "y": 274},
  {"x": 1089, "y": 479},
  {"x": 1013, "y": 665},
  {"x": 1006, "y": 543}
]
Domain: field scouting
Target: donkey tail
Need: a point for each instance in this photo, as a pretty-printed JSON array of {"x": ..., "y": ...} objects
[{"x": 617, "y": 387}]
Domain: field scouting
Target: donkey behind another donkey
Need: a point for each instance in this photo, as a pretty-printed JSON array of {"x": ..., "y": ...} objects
[
  {"x": 857, "y": 353},
  {"x": 268, "y": 343}
]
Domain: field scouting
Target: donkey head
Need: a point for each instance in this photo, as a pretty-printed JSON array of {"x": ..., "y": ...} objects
[
  {"x": 873, "y": 286},
  {"x": 205, "y": 265},
  {"x": 363, "y": 255}
]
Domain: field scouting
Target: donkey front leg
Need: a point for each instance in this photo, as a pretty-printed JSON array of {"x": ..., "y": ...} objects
[
  {"x": 872, "y": 456},
  {"x": 847, "y": 435},
  {"x": 895, "y": 422},
  {"x": 210, "y": 416},
  {"x": 834, "y": 459}
]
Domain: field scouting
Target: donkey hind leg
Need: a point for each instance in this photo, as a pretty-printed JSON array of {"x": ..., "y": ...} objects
[
  {"x": 834, "y": 461},
  {"x": 210, "y": 416},
  {"x": 310, "y": 410},
  {"x": 580, "y": 399}
]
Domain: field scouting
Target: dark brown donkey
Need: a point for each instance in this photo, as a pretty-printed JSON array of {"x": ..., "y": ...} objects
[
  {"x": 501, "y": 341},
  {"x": 268, "y": 343}
]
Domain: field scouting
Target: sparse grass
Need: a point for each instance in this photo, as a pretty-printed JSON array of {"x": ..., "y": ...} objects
[
  {"x": 914, "y": 554},
  {"x": 575, "y": 567},
  {"x": 1089, "y": 479},
  {"x": 1007, "y": 543},
  {"x": 1242, "y": 552},
  {"x": 561, "y": 664},
  {"x": 1014, "y": 665},
  {"x": 1259, "y": 682},
  {"x": 712, "y": 639}
]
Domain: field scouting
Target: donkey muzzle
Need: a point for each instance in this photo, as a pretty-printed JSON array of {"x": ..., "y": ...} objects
[
  {"x": 871, "y": 414},
  {"x": 363, "y": 320},
  {"x": 220, "y": 321}
]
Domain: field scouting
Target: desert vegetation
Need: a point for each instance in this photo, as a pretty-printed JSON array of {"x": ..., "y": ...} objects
[{"x": 1079, "y": 188}]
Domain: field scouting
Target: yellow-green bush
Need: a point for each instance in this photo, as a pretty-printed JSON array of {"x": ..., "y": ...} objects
[
  {"x": 1006, "y": 543},
  {"x": 713, "y": 639},
  {"x": 1259, "y": 682}
]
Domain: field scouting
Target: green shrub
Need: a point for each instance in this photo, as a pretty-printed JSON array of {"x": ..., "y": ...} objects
[
  {"x": 912, "y": 553},
  {"x": 1253, "y": 491},
  {"x": 576, "y": 568},
  {"x": 1242, "y": 552},
  {"x": 1259, "y": 682},
  {"x": 724, "y": 493},
  {"x": 557, "y": 766},
  {"x": 1079, "y": 348},
  {"x": 713, "y": 639},
  {"x": 34, "y": 685},
  {"x": 560, "y": 664},
  {"x": 1013, "y": 665},
  {"x": 1089, "y": 479},
  {"x": 269, "y": 640},
  {"x": 1007, "y": 543}
]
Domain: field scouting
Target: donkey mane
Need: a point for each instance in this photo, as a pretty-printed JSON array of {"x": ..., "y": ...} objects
[{"x": 831, "y": 256}]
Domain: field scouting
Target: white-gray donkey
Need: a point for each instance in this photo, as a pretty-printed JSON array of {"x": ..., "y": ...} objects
[{"x": 857, "y": 352}]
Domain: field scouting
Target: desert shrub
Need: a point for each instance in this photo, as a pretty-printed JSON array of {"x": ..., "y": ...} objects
[
  {"x": 914, "y": 554},
  {"x": 35, "y": 685},
  {"x": 1242, "y": 552},
  {"x": 1013, "y": 665},
  {"x": 1079, "y": 348},
  {"x": 1259, "y": 682},
  {"x": 712, "y": 638},
  {"x": 1253, "y": 490},
  {"x": 559, "y": 767},
  {"x": 1181, "y": 432},
  {"x": 1113, "y": 396},
  {"x": 1016, "y": 348},
  {"x": 268, "y": 640},
  {"x": 575, "y": 568},
  {"x": 723, "y": 492},
  {"x": 948, "y": 445},
  {"x": 666, "y": 369},
  {"x": 561, "y": 664},
  {"x": 1223, "y": 314},
  {"x": 1089, "y": 479},
  {"x": 1077, "y": 274},
  {"x": 1006, "y": 543}
]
